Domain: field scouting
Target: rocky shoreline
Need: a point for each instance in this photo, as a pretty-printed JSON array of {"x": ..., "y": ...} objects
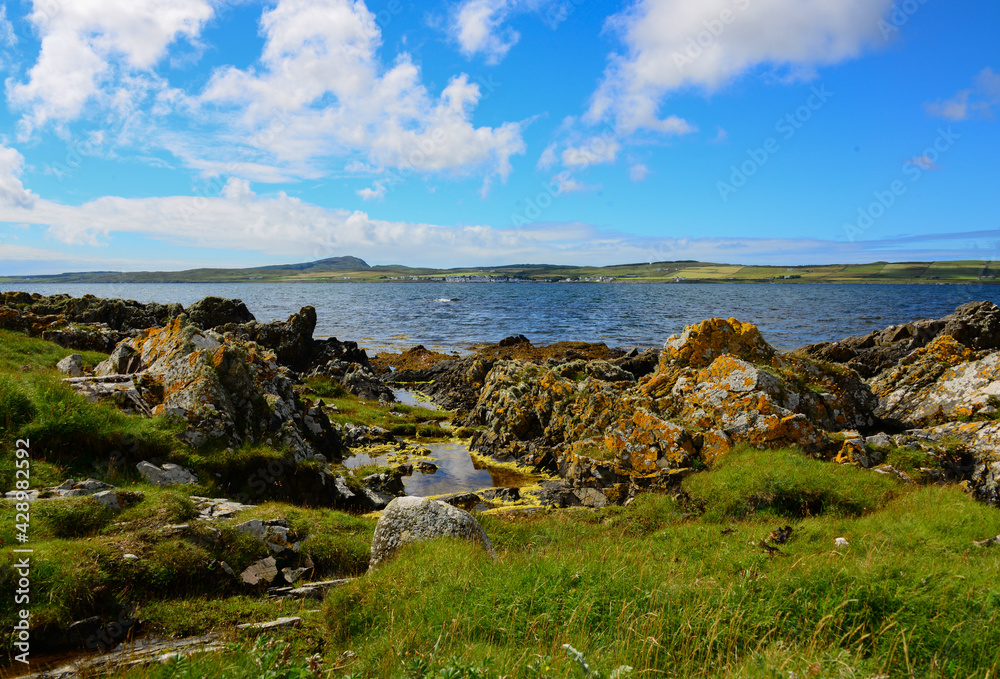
[{"x": 597, "y": 418}]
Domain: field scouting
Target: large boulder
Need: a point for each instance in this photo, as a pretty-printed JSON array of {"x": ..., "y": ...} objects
[
  {"x": 413, "y": 519},
  {"x": 940, "y": 382},
  {"x": 291, "y": 340}
]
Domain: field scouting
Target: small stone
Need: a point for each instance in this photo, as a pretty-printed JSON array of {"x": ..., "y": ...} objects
[
  {"x": 109, "y": 499},
  {"x": 261, "y": 572},
  {"x": 167, "y": 475},
  {"x": 72, "y": 365},
  {"x": 280, "y": 623},
  {"x": 841, "y": 542},
  {"x": 130, "y": 557}
]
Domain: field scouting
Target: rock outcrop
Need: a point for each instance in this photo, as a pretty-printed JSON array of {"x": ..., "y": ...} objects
[
  {"x": 224, "y": 389},
  {"x": 975, "y": 325},
  {"x": 717, "y": 384}
]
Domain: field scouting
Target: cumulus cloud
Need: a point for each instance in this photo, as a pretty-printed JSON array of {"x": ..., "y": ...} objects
[
  {"x": 981, "y": 99},
  {"x": 672, "y": 44},
  {"x": 87, "y": 45},
  {"x": 477, "y": 27},
  {"x": 12, "y": 191},
  {"x": 376, "y": 192},
  {"x": 594, "y": 151},
  {"x": 321, "y": 90},
  {"x": 237, "y": 189}
]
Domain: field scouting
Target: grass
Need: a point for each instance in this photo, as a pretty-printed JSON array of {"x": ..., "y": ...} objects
[
  {"x": 644, "y": 587},
  {"x": 785, "y": 483},
  {"x": 78, "y": 569}
]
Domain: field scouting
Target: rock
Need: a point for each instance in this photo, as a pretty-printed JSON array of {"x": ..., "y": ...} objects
[
  {"x": 225, "y": 389},
  {"x": 854, "y": 451},
  {"x": 591, "y": 497},
  {"x": 988, "y": 542},
  {"x": 275, "y": 534},
  {"x": 514, "y": 340},
  {"x": 412, "y": 519},
  {"x": 425, "y": 467},
  {"x": 453, "y": 384},
  {"x": 365, "y": 384},
  {"x": 72, "y": 365},
  {"x": 130, "y": 557},
  {"x": 124, "y": 360},
  {"x": 210, "y": 312},
  {"x": 210, "y": 509},
  {"x": 292, "y": 575},
  {"x": 386, "y": 482},
  {"x": 167, "y": 475},
  {"x": 109, "y": 499},
  {"x": 464, "y": 501},
  {"x": 119, "y": 390},
  {"x": 73, "y": 488},
  {"x": 261, "y": 572},
  {"x": 976, "y": 325},
  {"x": 841, "y": 542},
  {"x": 501, "y": 494},
  {"x": 375, "y": 500},
  {"x": 940, "y": 382},
  {"x": 291, "y": 340},
  {"x": 280, "y": 623}
]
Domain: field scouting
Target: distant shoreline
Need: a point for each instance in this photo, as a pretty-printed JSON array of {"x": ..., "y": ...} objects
[{"x": 355, "y": 270}]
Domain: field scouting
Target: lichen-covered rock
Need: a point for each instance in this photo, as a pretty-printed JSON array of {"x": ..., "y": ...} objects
[
  {"x": 225, "y": 389},
  {"x": 291, "y": 340},
  {"x": 940, "y": 382},
  {"x": 975, "y": 325},
  {"x": 716, "y": 385},
  {"x": 413, "y": 519}
]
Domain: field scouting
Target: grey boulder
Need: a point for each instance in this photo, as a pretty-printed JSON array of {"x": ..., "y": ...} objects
[{"x": 414, "y": 519}]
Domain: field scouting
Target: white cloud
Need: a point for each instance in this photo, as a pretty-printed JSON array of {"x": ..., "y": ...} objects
[
  {"x": 981, "y": 99},
  {"x": 638, "y": 172},
  {"x": 596, "y": 150},
  {"x": 237, "y": 189},
  {"x": 477, "y": 27},
  {"x": 320, "y": 90},
  {"x": 671, "y": 44},
  {"x": 12, "y": 191},
  {"x": 566, "y": 183},
  {"x": 7, "y": 36},
  {"x": 91, "y": 47},
  {"x": 376, "y": 192},
  {"x": 548, "y": 157}
]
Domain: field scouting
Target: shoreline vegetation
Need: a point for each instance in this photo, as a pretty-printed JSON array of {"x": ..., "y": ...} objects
[
  {"x": 713, "y": 508},
  {"x": 353, "y": 269}
]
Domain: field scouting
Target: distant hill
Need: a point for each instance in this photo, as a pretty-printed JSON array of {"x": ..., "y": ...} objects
[{"x": 341, "y": 269}]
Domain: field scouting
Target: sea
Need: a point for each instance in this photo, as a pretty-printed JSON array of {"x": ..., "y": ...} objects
[{"x": 455, "y": 316}]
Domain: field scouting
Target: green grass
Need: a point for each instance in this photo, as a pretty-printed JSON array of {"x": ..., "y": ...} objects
[
  {"x": 785, "y": 483},
  {"x": 642, "y": 587}
]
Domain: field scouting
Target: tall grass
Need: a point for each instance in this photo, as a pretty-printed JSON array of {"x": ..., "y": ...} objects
[{"x": 910, "y": 597}]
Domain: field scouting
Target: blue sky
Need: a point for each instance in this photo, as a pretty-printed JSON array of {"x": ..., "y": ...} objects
[{"x": 170, "y": 134}]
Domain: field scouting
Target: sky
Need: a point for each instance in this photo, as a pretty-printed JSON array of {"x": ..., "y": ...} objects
[{"x": 174, "y": 134}]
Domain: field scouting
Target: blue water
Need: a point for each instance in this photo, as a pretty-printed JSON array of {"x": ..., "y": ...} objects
[{"x": 382, "y": 316}]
